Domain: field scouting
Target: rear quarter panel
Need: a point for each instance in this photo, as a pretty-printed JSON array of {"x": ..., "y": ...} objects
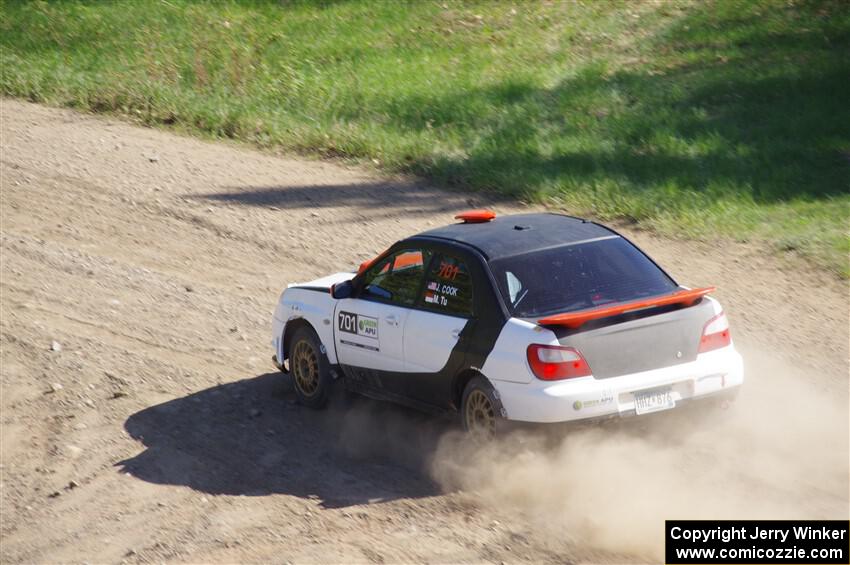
[{"x": 507, "y": 361}]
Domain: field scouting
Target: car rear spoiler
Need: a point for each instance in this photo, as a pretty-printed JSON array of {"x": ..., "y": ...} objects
[{"x": 577, "y": 319}]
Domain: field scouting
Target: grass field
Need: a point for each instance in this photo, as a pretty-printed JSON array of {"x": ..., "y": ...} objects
[{"x": 707, "y": 119}]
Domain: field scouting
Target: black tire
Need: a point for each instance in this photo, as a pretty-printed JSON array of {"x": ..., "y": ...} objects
[
  {"x": 310, "y": 369},
  {"x": 481, "y": 411}
]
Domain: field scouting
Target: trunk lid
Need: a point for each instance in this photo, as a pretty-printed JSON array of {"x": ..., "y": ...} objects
[{"x": 639, "y": 341}]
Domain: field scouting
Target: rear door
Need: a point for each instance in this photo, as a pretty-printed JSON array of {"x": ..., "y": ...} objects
[
  {"x": 369, "y": 327},
  {"x": 434, "y": 328},
  {"x": 437, "y": 331}
]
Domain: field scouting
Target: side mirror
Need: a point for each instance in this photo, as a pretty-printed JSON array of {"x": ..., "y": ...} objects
[{"x": 342, "y": 290}]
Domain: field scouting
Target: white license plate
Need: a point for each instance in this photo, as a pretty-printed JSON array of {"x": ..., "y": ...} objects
[{"x": 653, "y": 400}]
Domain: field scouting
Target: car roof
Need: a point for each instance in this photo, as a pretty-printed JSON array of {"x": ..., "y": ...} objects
[{"x": 515, "y": 234}]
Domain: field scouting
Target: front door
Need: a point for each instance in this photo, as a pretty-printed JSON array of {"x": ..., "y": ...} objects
[
  {"x": 369, "y": 327},
  {"x": 370, "y": 335}
]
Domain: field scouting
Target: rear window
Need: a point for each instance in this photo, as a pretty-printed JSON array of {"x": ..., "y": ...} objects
[{"x": 578, "y": 276}]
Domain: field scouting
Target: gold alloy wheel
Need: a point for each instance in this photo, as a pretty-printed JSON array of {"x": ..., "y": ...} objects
[
  {"x": 305, "y": 368},
  {"x": 479, "y": 414}
]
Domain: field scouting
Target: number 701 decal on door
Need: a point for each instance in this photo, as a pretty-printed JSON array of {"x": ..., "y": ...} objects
[{"x": 356, "y": 324}]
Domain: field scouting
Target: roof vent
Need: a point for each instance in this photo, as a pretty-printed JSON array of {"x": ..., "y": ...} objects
[
  {"x": 476, "y": 216},
  {"x": 522, "y": 228}
]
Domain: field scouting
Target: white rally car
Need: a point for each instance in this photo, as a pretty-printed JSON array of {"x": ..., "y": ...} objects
[{"x": 532, "y": 317}]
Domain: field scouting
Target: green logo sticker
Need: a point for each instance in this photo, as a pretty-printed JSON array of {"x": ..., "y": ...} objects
[{"x": 367, "y": 327}]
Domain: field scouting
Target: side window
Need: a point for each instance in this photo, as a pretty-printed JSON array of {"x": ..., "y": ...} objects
[
  {"x": 448, "y": 287},
  {"x": 397, "y": 278}
]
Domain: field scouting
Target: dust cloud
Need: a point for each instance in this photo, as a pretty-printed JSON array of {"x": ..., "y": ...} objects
[{"x": 780, "y": 451}]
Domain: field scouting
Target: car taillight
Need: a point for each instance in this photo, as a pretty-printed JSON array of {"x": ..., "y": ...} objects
[
  {"x": 715, "y": 334},
  {"x": 553, "y": 362}
]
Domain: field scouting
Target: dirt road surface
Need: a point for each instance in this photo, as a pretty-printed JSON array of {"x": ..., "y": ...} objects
[{"x": 142, "y": 420}]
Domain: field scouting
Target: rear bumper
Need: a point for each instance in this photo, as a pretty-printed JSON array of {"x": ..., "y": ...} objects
[{"x": 716, "y": 373}]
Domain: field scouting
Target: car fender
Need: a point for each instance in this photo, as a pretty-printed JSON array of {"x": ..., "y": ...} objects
[{"x": 313, "y": 303}]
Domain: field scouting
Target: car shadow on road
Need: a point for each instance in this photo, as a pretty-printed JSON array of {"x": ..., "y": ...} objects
[
  {"x": 251, "y": 438},
  {"x": 369, "y": 195},
  {"x": 379, "y": 198}
]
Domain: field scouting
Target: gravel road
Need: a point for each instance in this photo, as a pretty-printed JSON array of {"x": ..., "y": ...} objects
[{"x": 142, "y": 420}]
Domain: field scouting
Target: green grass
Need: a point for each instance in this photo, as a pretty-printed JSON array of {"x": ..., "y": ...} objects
[{"x": 701, "y": 119}]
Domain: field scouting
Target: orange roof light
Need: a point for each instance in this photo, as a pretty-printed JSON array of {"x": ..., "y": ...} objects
[
  {"x": 577, "y": 319},
  {"x": 476, "y": 216}
]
